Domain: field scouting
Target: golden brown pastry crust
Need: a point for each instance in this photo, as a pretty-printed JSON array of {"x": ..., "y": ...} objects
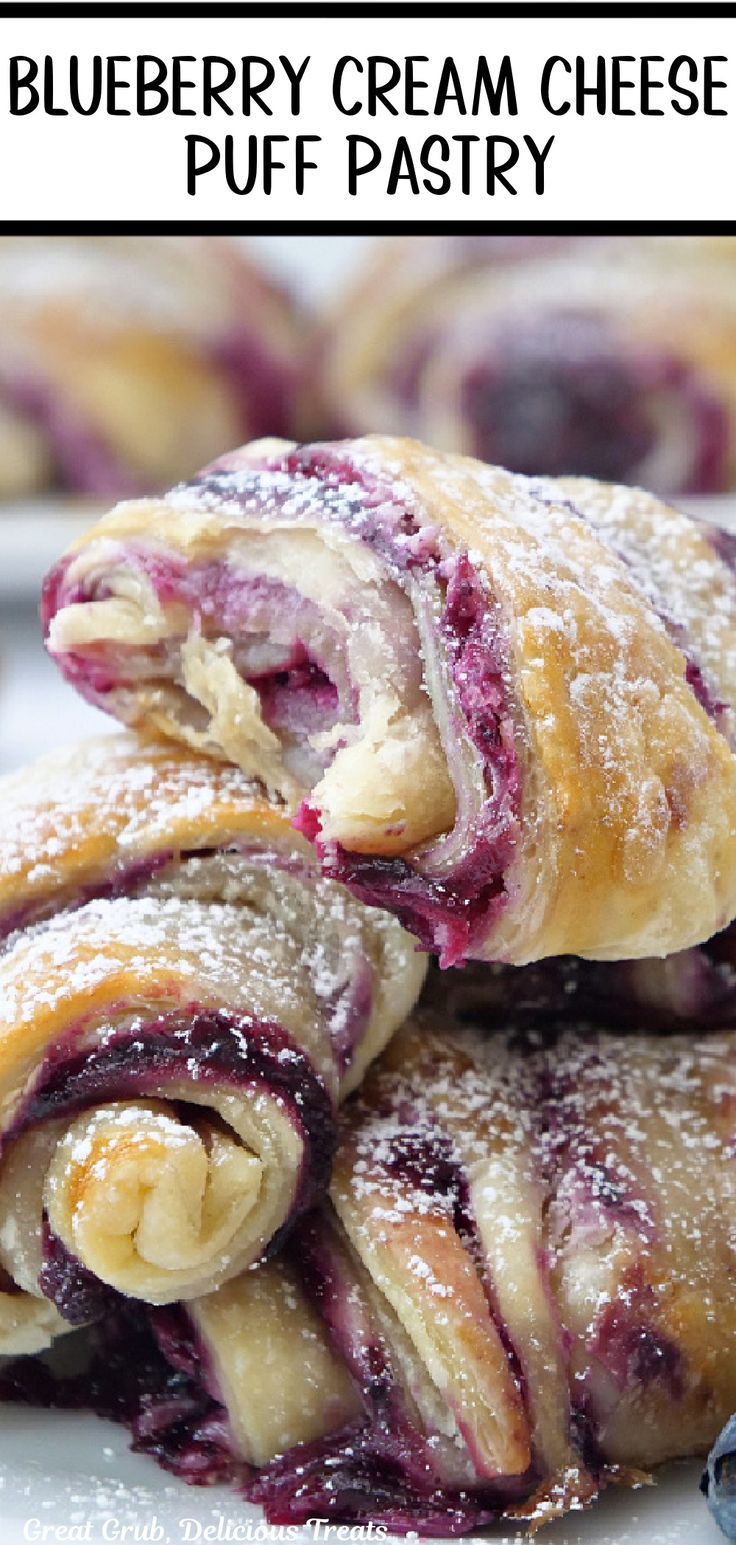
[
  {"x": 569, "y": 1200},
  {"x": 82, "y": 816},
  {"x": 624, "y": 836},
  {"x": 272, "y": 1364},
  {"x": 183, "y": 1002}
]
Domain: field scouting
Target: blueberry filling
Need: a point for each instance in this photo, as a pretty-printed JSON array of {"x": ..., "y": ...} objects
[
  {"x": 77, "y": 1293},
  {"x": 144, "y": 1370},
  {"x": 210, "y": 1047},
  {"x": 559, "y": 394},
  {"x": 453, "y": 914},
  {"x": 450, "y": 909},
  {"x": 123, "y": 880},
  {"x": 695, "y": 989},
  {"x": 367, "y": 1474},
  {"x": 636, "y": 1352},
  {"x": 387, "y": 1467},
  {"x": 299, "y": 699}
]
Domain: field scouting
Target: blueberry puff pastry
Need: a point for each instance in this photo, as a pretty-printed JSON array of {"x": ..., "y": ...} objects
[
  {"x": 501, "y": 708},
  {"x": 528, "y": 1267},
  {"x": 183, "y": 1003},
  {"x": 521, "y": 1291},
  {"x": 127, "y": 362},
  {"x": 602, "y": 356}
]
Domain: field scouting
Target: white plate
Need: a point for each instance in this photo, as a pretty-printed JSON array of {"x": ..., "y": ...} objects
[{"x": 71, "y": 1471}]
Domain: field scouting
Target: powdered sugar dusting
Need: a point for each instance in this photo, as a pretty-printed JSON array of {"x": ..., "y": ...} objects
[
  {"x": 174, "y": 941},
  {"x": 568, "y": 663},
  {"x": 603, "y": 1167},
  {"x": 87, "y": 812},
  {"x": 678, "y": 568}
]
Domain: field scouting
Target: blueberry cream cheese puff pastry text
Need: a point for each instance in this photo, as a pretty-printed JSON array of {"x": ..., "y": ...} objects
[{"x": 500, "y": 707}]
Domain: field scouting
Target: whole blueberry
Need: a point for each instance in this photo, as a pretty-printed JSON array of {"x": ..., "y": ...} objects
[{"x": 719, "y": 1480}]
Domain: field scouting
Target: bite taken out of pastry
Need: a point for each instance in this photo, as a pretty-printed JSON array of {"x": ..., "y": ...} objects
[
  {"x": 184, "y": 1001},
  {"x": 500, "y": 708}
]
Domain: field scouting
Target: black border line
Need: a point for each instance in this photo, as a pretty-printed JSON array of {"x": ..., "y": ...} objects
[
  {"x": 379, "y": 9},
  {"x": 360, "y": 227},
  {"x": 382, "y": 9}
]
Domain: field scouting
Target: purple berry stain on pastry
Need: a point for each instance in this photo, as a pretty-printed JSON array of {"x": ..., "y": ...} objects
[
  {"x": 77, "y": 1293},
  {"x": 124, "y": 880},
  {"x": 635, "y": 1352},
  {"x": 365, "y": 1475},
  {"x": 146, "y": 1370},
  {"x": 452, "y": 914},
  {"x": 208, "y": 1047},
  {"x": 387, "y": 1467},
  {"x": 451, "y": 910},
  {"x": 383, "y": 1467}
]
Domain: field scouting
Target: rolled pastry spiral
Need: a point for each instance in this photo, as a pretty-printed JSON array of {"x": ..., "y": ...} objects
[
  {"x": 608, "y": 357},
  {"x": 128, "y": 362},
  {"x": 183, "y": 1003},
  {"x": 519, "y": 1292},
  {"x": 501, "y": 708}
]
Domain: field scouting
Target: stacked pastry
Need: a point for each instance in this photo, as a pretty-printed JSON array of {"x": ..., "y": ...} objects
[
  {"x": 381, "y": 691},
  {"x": 603, "y": 356},
  {"x": 184, "y": 1002}
]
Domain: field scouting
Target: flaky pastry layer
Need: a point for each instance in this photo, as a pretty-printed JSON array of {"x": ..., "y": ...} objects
[{"x": 500, "y": 707}]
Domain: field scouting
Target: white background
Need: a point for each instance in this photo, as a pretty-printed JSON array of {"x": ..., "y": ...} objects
[{"x": 599, "y": 168}]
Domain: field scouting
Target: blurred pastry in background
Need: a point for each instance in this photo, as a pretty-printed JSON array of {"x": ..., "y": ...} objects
[
  {"x": 609, "y": 357},
  {"x": 127, "y": 362}
]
